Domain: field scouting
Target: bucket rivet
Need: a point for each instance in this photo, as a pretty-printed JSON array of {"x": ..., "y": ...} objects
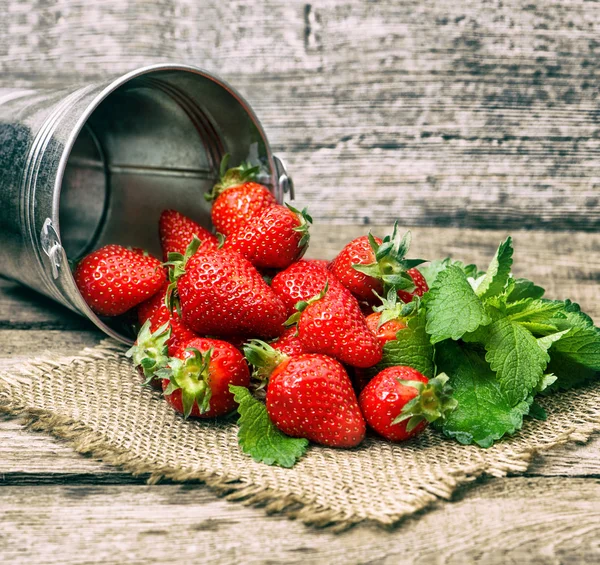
[{"x": 51, "y": 246}]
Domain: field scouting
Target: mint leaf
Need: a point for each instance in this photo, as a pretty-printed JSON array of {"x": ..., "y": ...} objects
[
  {"x": 259, "y": 437},
  {"x": 572, "y": 316},
  {"x": 434, "y": 268},
  {"x": 495, "y": 279},
  {"x": 453, "y": 308},
  {"x": 523, "y": 288},
  {"x": 537, "y": 412},
  {"x": 484, "y": 414},
  {"x": 581, "y": 346},
  {"x": 516, "y": 357},
  {"x": 569, "y": 373},
  {"x": 538, "y": 316},
  {"x": 533, "y": 310},
  {"x": 575, "y": 355},
  {"x": 411, "y": 347}
]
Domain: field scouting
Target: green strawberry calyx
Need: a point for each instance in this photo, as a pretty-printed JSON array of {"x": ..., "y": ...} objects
[
  {"x": 150, "y": 351},
  {"x": 263, "y": 358},
  {"x": 192, "y": 376},
  {"x": 303, "y": 305},
  {"x": 176, "y": 263},
  {"x": 390, "y": 264},
  {"x": 391, "y": 309},
  {"x": 230, "y": 177},
  {"x": 434, "y": 401},
  {"x": 305, "y": 222}
]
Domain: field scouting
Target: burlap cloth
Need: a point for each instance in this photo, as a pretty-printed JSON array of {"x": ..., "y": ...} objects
[{"x": 95, "y": 402}]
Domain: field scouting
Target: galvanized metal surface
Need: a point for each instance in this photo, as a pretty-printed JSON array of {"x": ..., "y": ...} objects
[{"x": 96, "y": 164}]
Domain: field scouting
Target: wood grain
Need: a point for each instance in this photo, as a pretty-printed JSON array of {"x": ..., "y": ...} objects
[
  {"x": 469, "y": 114},
  {"x": 499, "y": 522}
]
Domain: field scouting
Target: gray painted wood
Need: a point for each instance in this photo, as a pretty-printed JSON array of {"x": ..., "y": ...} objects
[
  {"x": 458, "y": 114},
  {"x": 470, "y": 114},
  {"x": 519, "y": 520}
]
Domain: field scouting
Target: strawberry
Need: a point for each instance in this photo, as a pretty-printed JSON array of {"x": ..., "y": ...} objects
[
  {"x": 384, "y": 332},
  {"x": 309, "y": 396},
  {"x": 289, "y": 343},
  {"x": 273, "y": 239},
  {"x": 155, "y": 309},
  {"x": 113, "y": 279},
  {"x": 389, "y": 317},
  {"x": 399, "y": 402},
  {"x": 150, "y": 352},
  {"x": 323, "y": 263},
  {"x": 177, "y": 231},
  {"x": 389, "y": 267},
  {"x": 358, "y": 252},
  {"x": 420, "y": 285},
  {"x": 237, "y": 198},
  {"x": 222, "y": 294},
  {"x": 302, "y": 281},
  {"x": 332, "y": 324},
  {"x": 196, "y": 382}
]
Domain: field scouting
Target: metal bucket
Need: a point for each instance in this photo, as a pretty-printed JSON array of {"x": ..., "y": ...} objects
[{"x": 97, "y": 164}]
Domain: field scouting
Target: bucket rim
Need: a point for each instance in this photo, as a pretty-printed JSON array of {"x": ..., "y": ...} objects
[{"x": 110, "y": 88}]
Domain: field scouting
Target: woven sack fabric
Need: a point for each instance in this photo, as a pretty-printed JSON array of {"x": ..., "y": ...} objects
[{"x": 95, "y": 402}]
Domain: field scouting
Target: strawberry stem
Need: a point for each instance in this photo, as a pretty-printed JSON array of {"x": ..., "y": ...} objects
[
  {"x": 434, "y": 401},
  {"x": 192, "y": 377},
  {"x": 263, "y": 358},
  {"x": 230, "y": 177},
  {"x": 150, "y": 349},
  {"x": 390, "y": 264},
  {"x": 305, "y": 222}
]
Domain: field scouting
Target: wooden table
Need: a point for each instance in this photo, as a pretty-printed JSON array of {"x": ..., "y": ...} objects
[
  {"x": 467, "y": 119},
  {"x": 59, "y": 507}
]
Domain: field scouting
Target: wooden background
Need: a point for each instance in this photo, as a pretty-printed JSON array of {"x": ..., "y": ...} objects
[
  {"x": 464, "y": 119},
  {"x": 469, "y": 113}
]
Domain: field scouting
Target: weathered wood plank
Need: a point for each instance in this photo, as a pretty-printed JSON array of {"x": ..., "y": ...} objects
[
  {"x": 443, "y": 113},
  {"x": 23, "y": 308},
  {"x": 493, "y": 523},
  {"x": 38, "y": 455},
  {"x": 18, "y": 345}
]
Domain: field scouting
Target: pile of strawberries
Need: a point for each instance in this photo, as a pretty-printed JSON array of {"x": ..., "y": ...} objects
[{"x": 312, "y": 331}]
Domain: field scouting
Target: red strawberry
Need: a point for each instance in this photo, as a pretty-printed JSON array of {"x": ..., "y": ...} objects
[
  {"x": 420, "y": 286},
  {"x": 400, "y": 402},
  {"x": 333, "y": 324},
  {"x": 198, "y": 378},
  {"x": 237, "y": 198},
  {"x": 289, "y": 343},
  {"x": 222, "y": 294},
  {"x": 302, "y": 281},
  {"x": 177, "y": 231},
  {"x": 389, "y": 266},
  {"x": 357, "y": 252},
  {"x": 155, "y": 310},
  {"x": 114, "y": 279},
  {"x": 323, "y": 263},
  {"x": 309, "y": 396},
  {"x": 273, "y": 239},
  {"x": 386, "y": 331}
]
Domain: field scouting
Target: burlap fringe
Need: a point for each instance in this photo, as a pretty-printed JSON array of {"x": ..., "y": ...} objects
[{"x": 85, "y": 441}]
